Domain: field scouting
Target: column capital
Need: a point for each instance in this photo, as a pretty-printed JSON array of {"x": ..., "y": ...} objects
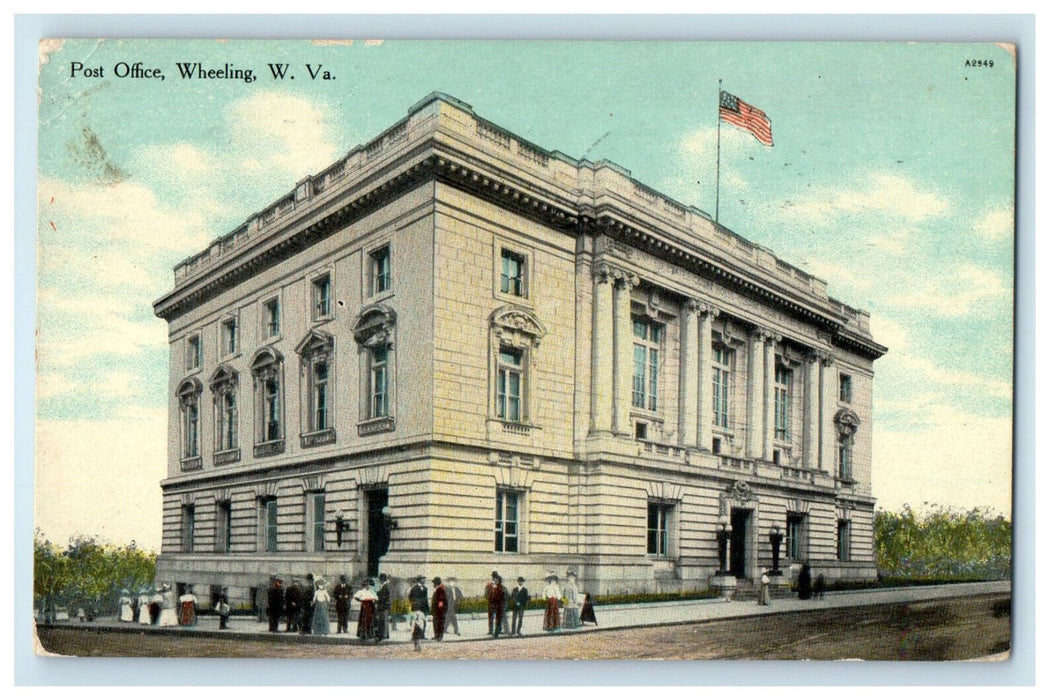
[
  {"x": 825, "y": 357},
  {"x": 604, "y": 273},
  {"x": 623, "y": 278},
  {"x": 767, "y": 335}
]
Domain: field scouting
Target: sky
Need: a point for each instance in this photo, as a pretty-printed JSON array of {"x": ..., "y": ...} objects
[{"x": 891, "y": 177}]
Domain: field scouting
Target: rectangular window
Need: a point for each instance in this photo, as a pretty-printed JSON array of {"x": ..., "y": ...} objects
[
  {"x": 845, "y": 388},
  {"x": 272, "y": 318},
  {"x": 844, "y": 540},
  {"x": 512, "y": 274},
  {"x": 844, "y": 460},
  {"x": 783, "y": 399},
  {"x": 320, "y": 395},
  {"x": 506, "y": 521},
  {"x": 315, "y": 517},
  {"x": 187, "y": 531},
  {"x": 272, "y": 429},
  {"x": 194, "y": 352},
  {"x": 379, "y": 382},
  {"x": 723, "y": 359},
  {"x": 229, "y": 336},
  {"x": 509, "y": 385},
  {"x": 646, "y": 368},
  {"x": 658, "y": 517},
  {"x": 190, "y": 412},
  {"x": 321, "y": 297},
  {"x": 794, "y": 536},
  {"x": 381, "y": 272},
  {"x": 270, "y": 524},
  {"x": 224, "y": 527}
]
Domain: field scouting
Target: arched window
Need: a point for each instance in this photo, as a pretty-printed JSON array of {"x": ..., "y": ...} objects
[
  {"x": 267, "y": 370},
  {"x": 317, "y": 382},
  {"x": 189, "y": 394},
  {"x": 225, "y": 386},
  {"x": 375, "y": 334},
  {"x": 515, "y": 334}
]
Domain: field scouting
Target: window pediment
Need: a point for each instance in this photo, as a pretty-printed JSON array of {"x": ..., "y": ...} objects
[
  {"x": 516, "y": 325},
  {"x": 267, "y": 360},
  {"x": 374, "y": 326},
  {"x": 223, "y": 378},
  {"x": 316, "y": 343},
  {"x": 189, "y": 390}
]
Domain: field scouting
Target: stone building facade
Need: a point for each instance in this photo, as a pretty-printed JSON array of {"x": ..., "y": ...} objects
[{"x": 454, "y": 352}]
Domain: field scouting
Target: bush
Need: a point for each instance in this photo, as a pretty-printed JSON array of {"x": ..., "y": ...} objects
[{"x": 945, "y": 545}]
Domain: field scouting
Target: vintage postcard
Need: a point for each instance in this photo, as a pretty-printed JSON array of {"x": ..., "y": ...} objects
[{"x": 524, "y": 350}]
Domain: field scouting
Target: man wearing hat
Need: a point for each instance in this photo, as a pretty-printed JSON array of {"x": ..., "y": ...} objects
[
  {"x": 497, "y": 603},
  {"x": 342, "y": 595},
  {"x": 418, "y": 596},
  {"x": 439, "y": 608},
  {"x": 308, "y": 604},
  {"x": 382, "y": 608},
  {"x": 519, "y": 598},
  {"x": 454, "y": 600},
  {"x": 489, "y": 592},
  {"x": 275, "y": 604}
]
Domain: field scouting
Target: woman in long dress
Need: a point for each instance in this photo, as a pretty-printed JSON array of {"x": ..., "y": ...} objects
[
  {"x": 188, "y": 614},
  {"x": 125, "y": 603},
  {"x": 168, "y": 607},
  {"x": 144, "y": 606},
  {"x": 321, "y": 605},
  {"x": 587, "y": 613},
  {"x": 551, "y": 616},
  {"x": 365, "y": 622},
  {"x": 571, "y": 593}
]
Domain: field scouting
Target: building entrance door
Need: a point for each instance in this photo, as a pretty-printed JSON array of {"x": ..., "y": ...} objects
[
  {"x": 739, "y": 533},
  {"x": 377, "y": 530}
]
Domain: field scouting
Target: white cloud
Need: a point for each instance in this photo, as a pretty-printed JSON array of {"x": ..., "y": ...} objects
[
  {"x": 101, "y": 478},
  {"x": 958, "y": 292},
  {"x": 959, "y": 458},
  {"x": 892, "y": 195},
  {"x": 996, "y": 225},
  {"x": 889, "y": 333},
  {"x": 104, "y": 333},
  {"x": 693, "y": 175},
  {"x": 280, "y": 132},
  {"x": 927, "y": 371}
]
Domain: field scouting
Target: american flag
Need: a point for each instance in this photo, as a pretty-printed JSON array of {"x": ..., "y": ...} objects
[{"x": 736, "y": 111}]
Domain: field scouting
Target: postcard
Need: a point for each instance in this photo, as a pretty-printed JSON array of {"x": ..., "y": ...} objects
[{"x": 525, "y": 350}]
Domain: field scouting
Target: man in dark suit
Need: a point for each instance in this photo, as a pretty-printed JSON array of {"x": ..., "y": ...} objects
[
  {"x": 308, "y": 604},
  {"x": 489, "y": 591},
  {"x": 382, "y": 608},
  {"x": 418, "y": 596},
  {"x": 439, "y": 608},
  {"x": 519, "y": 600},
  {"x": 275, "y": 603},
  {"x": 497, "y": 602},
  {"x": 293, "y": 606},
  {"x": 342, "y": 595}
]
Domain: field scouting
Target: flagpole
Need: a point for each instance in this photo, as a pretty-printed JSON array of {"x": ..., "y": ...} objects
[{"x": 719, "y": 95}]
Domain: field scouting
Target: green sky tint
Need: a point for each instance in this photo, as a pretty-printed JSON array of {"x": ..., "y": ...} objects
[{"x": 891, "y": 177}]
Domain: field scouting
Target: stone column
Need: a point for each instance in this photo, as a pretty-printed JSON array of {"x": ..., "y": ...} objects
[
  {"x": 767, "y": 450},
  {"x": 827, "y": 387},
  {"x": 688, "y": 373},
  {"x": 811, "y": 370},
  {"x": 622, "y": 353},
  {"x": 602, "y": 350},
  {"x": 754, "y": 396},
  {"x": 704, "y": 378}
]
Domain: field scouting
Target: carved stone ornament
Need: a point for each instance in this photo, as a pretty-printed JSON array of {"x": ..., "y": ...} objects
[
  {"x": 189, "y": 391},
  {"x": 847, "y": 423},
  {"x": 517, "y": 326},
  {"x": 740, "y": 492},
  {"x": 374, "y": 326}
]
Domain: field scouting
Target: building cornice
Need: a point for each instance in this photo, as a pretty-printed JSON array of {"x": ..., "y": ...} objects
[{"x": 408, "y": 155}]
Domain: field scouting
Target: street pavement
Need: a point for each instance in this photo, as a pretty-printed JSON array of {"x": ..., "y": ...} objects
[{"x": 474, "y": 626}]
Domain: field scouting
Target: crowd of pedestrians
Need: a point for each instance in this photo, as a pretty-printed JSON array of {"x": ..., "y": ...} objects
[{"x": 304, "y": 606}]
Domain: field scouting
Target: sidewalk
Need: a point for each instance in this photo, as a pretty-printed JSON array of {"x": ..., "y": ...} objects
[{"x": 474, "y": 627}]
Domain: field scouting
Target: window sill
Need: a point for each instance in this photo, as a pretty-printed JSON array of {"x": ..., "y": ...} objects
[
  {"x": 375, "y": 297},
  {"x": 267, "y": 449},
  {"x": 520, "y": 300},
  {"x": 513, "y": 427},
  {"x": 319, "y": 437},
  {"x": 190, "y": 464},
  {"x": 322, "y": 319},
  {"x": 227, "y": 456},
  {"x": 372, "y": 426}
]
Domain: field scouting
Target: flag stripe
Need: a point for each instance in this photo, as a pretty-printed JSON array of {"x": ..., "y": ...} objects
[{"x": 737, "y": 112}]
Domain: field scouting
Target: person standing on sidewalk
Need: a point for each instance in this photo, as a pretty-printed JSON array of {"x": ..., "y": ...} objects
[
  {"x": 454, "y": 599},
  {"x": 342, "y": 594},
  {"x": 519, "y": 598},
  {"x": 224, "y": 611},
  {"x": 365, "y": 624},
  {"x": 321, "y": 609},
  {"x": 587, "y": 612},
  {"x": 552, "y": 593},
  {"x": 803, "y": 582},
  {"x": 418, "y": 596},
  {"x": 489, "y": 592},
  {"x": 765, "y": 588},
  {"x": 308, "y": 604},
  {"x": 293, "y": 606},
  {"x": 571, "y": 593},
  {"x": 498, "y": 603},
  {"x": 382, "y": 608},
  {"x": 439, "y": 608}
]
